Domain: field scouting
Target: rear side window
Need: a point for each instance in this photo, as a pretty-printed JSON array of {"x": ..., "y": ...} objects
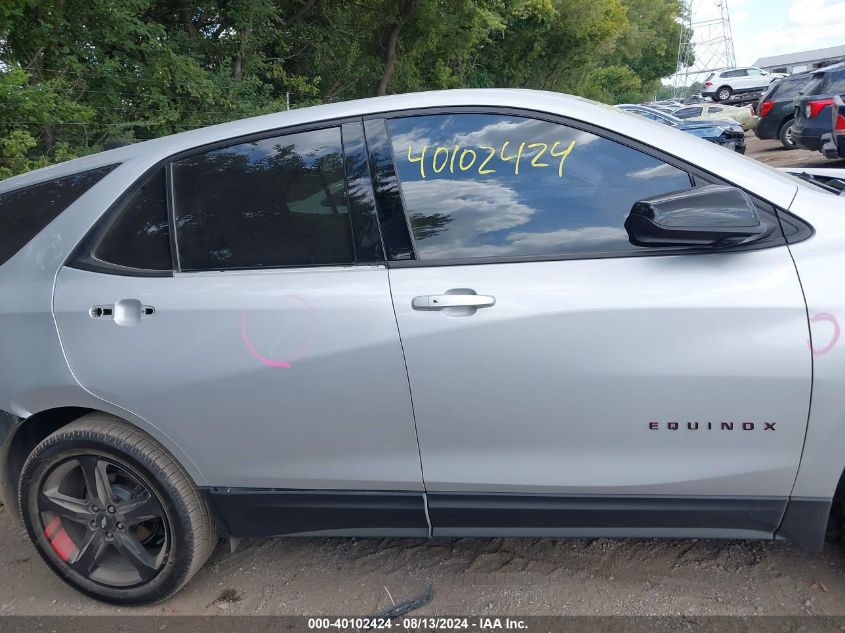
[
  {"x": 787, "y": 89},
  {"x": 688, "y": 112},
  {"x": 815, "y": 85},
  {"x": 273, "y": 202},
  {"x": 139, "y": 237},
  {"x": 835, "y": 82},
  {"x": 25, "y": 212},
  {"x": 488, "y": 185}
]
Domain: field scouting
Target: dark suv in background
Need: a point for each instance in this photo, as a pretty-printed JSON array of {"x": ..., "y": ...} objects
[
  {"x": 834, "y": 142},
  {"x": 813, "y": 105},
  {"x": 776, "y": 110}
]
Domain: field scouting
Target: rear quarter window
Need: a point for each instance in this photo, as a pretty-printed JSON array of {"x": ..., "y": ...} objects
[{"x": 25, "y": 212}]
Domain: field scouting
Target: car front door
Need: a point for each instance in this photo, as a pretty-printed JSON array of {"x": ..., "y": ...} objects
[
  {"x": 757, "y": 80},
  {"x": 271, "y": 355},
  {"x": 565, "y": 379}
]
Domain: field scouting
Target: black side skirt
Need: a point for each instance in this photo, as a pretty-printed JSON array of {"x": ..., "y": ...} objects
[
  {"x": 270, "y": 512},
  {"x": 263, "y": 512}
]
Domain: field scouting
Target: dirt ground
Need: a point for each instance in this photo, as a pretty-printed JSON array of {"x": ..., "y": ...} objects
[
  {"x": 301, "y": 576},
  {"x": 772, "y": 153},
  {"x": 524, "y": 576}
]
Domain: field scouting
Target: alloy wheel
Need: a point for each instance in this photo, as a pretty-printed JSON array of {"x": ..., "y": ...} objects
[{"x": 103, "y": 521}]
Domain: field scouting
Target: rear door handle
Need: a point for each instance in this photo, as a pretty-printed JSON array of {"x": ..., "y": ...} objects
[
  {"x": 440, "y": 302},
  {"x": 123, "y": 312}
]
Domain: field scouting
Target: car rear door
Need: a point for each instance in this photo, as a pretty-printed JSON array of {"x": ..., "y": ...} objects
[
  {"x": 271, "y": 355},
  {"x": 564, "y": 378}
]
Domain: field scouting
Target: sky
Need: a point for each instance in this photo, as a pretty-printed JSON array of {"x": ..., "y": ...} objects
[{"x": 771, "y": 27}]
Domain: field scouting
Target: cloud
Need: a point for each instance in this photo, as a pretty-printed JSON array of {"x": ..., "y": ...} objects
[
  {"x": 809, "y": 24},
  {"x": 591, "y": 238}
]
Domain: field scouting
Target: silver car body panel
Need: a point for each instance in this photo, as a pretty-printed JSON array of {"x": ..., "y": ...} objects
[
  {"x": 820, "y": 262},
  {"x": 295, "y": 376},
  {"x": 561, "y": 379},
  {"x": 751, "y": 314}
]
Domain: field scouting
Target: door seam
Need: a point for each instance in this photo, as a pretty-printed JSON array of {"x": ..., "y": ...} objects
[{"x": 411, "y": 396}]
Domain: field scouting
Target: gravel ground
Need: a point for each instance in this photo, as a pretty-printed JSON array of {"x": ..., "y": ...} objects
[{"x": 300, "y": 576}]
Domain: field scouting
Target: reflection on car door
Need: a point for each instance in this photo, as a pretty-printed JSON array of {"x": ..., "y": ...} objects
[
  {"x": 548, "y": 356},
  {"x": 272, "y": 354}
]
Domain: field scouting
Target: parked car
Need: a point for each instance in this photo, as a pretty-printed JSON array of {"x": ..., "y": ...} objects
[
  {"x": 706, "y": 111},
  {"x": 601, "y": 322},
  {"x": 812, "y": 106},
  {"x": 726, "y": 133},
  {"x": 775, "y": 109},
  {"x": 834, "y": 145},
  {"x": 667, "y": 103},
  {"x": 722, "y": 85}
]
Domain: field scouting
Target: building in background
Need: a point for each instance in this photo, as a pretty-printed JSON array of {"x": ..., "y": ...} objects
[{"x": 793, "y": 63}]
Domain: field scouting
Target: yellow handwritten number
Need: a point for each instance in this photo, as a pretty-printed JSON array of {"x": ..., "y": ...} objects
[
  {"x": 562, "y": 155},
  {"x": 492, "y": 153},
  {"x": 420, "y": 160},
  {"x": 535, "y": 162},
  {"x": 434, "y": 159},
  {"x": 461, "y": 165}
]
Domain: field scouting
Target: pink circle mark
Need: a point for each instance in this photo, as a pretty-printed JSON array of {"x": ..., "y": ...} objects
[
  {"x": 287, "y": 363},
  {"x": 824, "y": 316}
]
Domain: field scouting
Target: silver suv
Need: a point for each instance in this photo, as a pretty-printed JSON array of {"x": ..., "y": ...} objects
[
  {"x": 462, "y": 313},
  {"x": 721, "y": 86}
]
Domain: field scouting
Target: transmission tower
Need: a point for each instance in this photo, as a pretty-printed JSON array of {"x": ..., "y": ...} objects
[{"x": 711, "y": 47}]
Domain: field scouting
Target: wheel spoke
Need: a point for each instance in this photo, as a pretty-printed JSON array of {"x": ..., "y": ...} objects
[
  {"x": 65, "y": 506},
  {"x": 97, "y": 480},
  {"x": 136, "y": 554},
  {"x": 143, "y": 508},
  {"x": 89, "y": 552}
]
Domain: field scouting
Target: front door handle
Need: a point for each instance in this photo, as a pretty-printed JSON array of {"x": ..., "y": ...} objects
[{"x": 467, "y": 300}]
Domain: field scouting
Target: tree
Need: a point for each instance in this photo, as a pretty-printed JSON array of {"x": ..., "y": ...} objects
[{"x": 75, "y": 74}]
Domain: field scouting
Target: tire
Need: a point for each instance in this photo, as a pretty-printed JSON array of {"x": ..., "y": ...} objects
[
  {"x": 140, "y": 497},
  {"x": 785, "y": 135},
  {"x": 723, "y": 94}
]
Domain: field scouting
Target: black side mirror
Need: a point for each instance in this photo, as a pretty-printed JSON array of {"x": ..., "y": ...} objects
[{"x": 712, "y": 215}]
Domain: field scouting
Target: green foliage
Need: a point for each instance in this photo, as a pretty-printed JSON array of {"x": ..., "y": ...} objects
[{"x": 75, "y": 74}]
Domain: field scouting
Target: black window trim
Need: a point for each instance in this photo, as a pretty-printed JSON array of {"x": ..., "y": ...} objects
[{"x": 695, "y": 173}]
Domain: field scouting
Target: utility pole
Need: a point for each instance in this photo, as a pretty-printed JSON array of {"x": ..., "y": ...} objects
[{"x": 706, "y": 43}]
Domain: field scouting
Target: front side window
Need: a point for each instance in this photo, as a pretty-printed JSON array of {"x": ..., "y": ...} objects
[
  {"x": 487, "y": 185},
  {"x": 273, "y": 202},
  {"x": 755, "y": 72}
]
